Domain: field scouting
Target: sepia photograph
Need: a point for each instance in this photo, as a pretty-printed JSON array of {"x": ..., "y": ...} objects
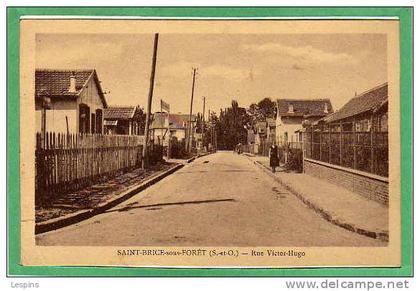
[{"x": 253, "y": 143}]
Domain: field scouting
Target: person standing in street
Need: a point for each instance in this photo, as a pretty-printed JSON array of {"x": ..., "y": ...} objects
[{"x": 274, "y": 158}]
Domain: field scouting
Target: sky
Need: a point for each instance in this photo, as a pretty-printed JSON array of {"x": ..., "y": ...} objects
[{"x": 244, "y": 67}]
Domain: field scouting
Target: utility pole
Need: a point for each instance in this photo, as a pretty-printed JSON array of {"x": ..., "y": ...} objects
[
  {"x": 168, "y": 153},
  {"x": 149, "y": 103},
  {"x": 189, "y": 141},
  {"x": 202, "y": 121},
  {"x": 215, "y": 137},
  {"x": 213, "y": 144},
  {"x": 161, "y": 114},
  {"x": 46, "y": 104}
]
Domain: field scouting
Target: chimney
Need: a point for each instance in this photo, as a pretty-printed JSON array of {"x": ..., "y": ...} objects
[
  {"x": 72, "y": 87},
  {"x": 326, "y": 107},
  {"x": 291, "y": 108}
]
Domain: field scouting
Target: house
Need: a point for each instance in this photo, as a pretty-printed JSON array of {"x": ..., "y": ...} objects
[
  {"x": 178, "y": 126},
  {"x": 291, "y": 113},
  {"x": 127, "y": 120},
  {"x": 260, "y": 132},
  {"x": 271, "y": 130},
  {"x": 350, "y": 146},
  {"x": 250, "y": 136},
  {"x": 260, "y": 146},
  {"x": 69, "y": 101}
]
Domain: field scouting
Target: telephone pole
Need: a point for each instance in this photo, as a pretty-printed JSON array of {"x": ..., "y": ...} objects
[
  {"x": 202, "y": 121},
  {"x": 215, "y": 139},
  {"x": 188, "y": 144},
  {"x": 149, "y": 103}
]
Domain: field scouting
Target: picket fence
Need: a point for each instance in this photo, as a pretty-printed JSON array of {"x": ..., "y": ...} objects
[{"x": 66, "y": 162}]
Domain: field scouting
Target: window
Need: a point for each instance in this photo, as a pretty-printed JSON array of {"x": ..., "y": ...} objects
[
  {"x": 92, "y": 123},
  {"x": 383, "y": 123},
  {"x": 84, "y": 118},
  {"x": 347, "y": 126},
  {"x": 99, "y": 126},
  {"x": 363, "y": 125}
]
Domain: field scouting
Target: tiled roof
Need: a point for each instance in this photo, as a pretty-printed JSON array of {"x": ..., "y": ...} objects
[
  {"x": 304, "y": 107},
  {"x": 119, "y": 112},
  {"x": 363, "y": 102},
  {"x": 56, "y": 83},
  {"x": 176, "y": 120}
]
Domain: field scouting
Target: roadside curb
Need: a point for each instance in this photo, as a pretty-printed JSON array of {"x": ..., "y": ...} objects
[
  {"x": 383, "y": 236},
  {"x": 191, "y": 159},
  {"x": 73, "y": 218},
  {"x": 196, "y": 157}
]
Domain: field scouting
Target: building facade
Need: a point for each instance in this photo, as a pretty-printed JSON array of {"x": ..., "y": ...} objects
[
  {"x": 350, "y": 147},
  {"x": 178, "y": 124},
  {"x": 292, "y": 113},
  {"x": 127, "y": 120},
  {"x": 69, "y": 101},
  {"x": 271, "y": 130}
]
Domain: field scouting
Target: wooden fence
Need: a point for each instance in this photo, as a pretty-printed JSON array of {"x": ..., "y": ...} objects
[{"x": 66, "y": 162}]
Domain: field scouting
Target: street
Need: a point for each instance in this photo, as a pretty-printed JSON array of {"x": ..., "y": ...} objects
[{"x": 218, "y": 200}]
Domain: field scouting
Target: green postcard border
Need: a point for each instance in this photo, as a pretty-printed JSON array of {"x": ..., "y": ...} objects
[{"x": 404, "y": 14}]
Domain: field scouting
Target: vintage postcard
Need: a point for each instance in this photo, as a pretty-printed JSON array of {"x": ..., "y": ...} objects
[{"x": 253, "y": 143}]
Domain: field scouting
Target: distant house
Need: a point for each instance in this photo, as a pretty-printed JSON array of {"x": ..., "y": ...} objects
[
  {"x": 124, "y": 120},
  {"x": 178, "y": 126},
  {"x": 260, "y": 132},
  {"x": 271, "y": 130},
  {"x": 250, "y": 137},
  {"x": 350, "y": 146},
  {"x": 291, "y": 113},
  {"x": 73, "y": 101}
]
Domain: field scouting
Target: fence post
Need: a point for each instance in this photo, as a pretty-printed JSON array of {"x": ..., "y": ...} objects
[
  {"x": 329, "y": 144},
  {"x": 67, "y": 162},
  {"x": 341, "y": 143},
  {"x": 39, "y": 169},
  {"x": 312, "y": 142},
  {"x": 372, "y": 154},
  {"x": 321, "y": 132},
  {"x": 354, "y": 143}
]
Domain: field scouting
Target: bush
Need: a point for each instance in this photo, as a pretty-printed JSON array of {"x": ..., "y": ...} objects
[
  {"x": 295, "y": 160},
  {"x": 155, "y": 154},
  {"x": 178, "y": 149}
]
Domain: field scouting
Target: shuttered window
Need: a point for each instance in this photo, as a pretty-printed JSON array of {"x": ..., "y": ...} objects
[
  {"x": 84, "y": 118},
  {"x": 99, "y": 126}
]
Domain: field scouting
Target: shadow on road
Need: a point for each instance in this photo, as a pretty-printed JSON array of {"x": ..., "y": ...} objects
[
  {"x": 213, "y": 171},
  {"x": 130, "y": 207}
]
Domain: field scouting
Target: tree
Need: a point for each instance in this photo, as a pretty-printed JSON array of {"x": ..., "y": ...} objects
[
  {"x": 231, "y": 128},
  {"x": 266, "y": 108},
  {"x": 140, "y": 117},
  {"x": 208, "y": 128},
  {"x": 255, "y": 113}
]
